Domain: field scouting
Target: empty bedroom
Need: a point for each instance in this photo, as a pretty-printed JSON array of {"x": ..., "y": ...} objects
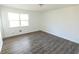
[{"x": 39, "y": 28}]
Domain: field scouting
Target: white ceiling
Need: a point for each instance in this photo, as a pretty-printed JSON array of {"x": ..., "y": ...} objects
[{"x": 36, "y": 7}]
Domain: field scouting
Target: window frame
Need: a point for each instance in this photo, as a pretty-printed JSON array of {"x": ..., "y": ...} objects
[{"x": 20, "y": 24}]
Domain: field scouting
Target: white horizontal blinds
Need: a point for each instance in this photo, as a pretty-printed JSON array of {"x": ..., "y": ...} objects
[
  {"x": 13, "y": 16},
  {"x": 13, "y": 19},
  {"x": 16, "y": 19},
  {"x": 24, "y": 19},
  {"x": 14, "y": 24}
]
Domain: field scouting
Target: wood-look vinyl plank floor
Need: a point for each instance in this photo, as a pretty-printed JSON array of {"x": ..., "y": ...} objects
[{"x": 39, "y": 43}]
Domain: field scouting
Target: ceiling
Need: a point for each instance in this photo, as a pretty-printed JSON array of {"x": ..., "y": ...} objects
[{"x": 36, "y": 7}]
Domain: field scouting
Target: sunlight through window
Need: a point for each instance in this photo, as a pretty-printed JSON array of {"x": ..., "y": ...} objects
[{"x": 17, "y": 20}]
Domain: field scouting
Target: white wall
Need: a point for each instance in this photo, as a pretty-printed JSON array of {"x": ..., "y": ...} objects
[
  {"x": 1, "y": 42},
  {"x": 62, "y": 22},
  {"x": 33, "y": 22}
]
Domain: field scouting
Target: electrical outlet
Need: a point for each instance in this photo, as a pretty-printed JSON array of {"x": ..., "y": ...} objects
[{"x": 20, "y": 30}]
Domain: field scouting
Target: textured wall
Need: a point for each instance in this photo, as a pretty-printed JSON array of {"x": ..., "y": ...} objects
[
  {"x": 62, "y": 22},
  {"x": 33, "y": 22}
]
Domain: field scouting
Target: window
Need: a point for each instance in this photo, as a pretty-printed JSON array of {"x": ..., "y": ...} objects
[
  {"x": 24, "y": 19},
  {"x": 16, "y": 19}
]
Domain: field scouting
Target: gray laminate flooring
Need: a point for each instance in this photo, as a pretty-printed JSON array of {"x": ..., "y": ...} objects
[{"x": 39, "y": 43}]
